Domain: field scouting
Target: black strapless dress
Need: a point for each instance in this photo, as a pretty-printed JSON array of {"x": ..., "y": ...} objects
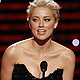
[{"x": 20, "y": 72}]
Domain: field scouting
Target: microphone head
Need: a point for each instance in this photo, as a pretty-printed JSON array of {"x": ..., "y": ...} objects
[{"x": 43, "y": 66}]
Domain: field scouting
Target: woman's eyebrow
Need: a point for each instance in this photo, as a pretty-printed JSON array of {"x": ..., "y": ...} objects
[
  {"x": 43, "y": 17},
  {"x": 47, "y": 16},
  {"x": 35, "y": 16}
]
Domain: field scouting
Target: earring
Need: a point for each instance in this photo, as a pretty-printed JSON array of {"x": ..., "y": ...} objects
[
  {"x": 30, "y": 27},
  {"x": 55, "y": 27}
]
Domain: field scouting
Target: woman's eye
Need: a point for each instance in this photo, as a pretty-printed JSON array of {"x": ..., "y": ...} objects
[
  {"x": 46, "y": 20},
  {"x": 35, "y": 20}
]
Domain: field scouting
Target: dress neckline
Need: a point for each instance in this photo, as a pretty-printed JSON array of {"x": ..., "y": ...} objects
[{"x": 36, "y": 77}]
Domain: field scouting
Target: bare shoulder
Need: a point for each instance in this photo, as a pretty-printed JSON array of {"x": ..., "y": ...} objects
[
  {"x": 10, "y": 55},
  {"x": 65, "y": 53},
  {"x": 68, "y": 55},
  {"x": 10, "y": 51},
  {"x": 14, "y": 49}
]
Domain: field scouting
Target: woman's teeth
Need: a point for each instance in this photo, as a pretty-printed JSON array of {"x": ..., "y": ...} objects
[{"x": 41, "y": 31}]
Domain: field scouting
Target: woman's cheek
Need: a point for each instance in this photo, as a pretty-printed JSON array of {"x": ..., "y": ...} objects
[{"x": 49, "y": 25}]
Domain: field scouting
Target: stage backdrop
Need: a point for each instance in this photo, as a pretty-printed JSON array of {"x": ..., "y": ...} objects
[{"x": 13, "y": 26}]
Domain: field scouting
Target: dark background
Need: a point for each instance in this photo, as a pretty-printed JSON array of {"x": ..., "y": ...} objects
[{"x": 13, "y": 26}]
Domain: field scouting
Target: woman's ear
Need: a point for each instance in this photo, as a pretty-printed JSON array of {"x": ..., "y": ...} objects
[
  {"x": 56, "y": 23},
  {"x": 29, "y": 25}
]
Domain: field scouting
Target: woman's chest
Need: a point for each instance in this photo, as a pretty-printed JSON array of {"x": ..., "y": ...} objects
[{"x": 33, "y": 64}]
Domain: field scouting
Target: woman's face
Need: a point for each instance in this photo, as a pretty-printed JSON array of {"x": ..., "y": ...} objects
[{"x": 42, "y": 23}]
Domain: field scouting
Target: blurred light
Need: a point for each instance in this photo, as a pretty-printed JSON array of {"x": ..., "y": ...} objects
[{"x": 75, "y": 42}]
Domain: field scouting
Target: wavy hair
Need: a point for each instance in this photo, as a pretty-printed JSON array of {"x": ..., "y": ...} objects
[{"x": 44, "y": 3}]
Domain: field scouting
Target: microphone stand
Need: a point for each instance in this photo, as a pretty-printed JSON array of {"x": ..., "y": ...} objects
[{"x": 43, "y": 75}]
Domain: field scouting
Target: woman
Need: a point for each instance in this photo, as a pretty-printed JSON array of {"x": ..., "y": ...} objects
[{"x": 21, "y": 61}]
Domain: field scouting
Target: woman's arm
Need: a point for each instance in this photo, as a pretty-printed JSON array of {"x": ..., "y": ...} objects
[
  {"x": 7, "y": 65},
  {"x": 69, "y": 65}
]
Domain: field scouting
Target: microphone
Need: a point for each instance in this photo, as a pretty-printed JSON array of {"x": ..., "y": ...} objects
[{"x": 43, "y": 67}]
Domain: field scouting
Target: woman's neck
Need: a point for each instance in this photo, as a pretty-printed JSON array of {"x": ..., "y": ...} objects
[{"x": 41, "y": 46}]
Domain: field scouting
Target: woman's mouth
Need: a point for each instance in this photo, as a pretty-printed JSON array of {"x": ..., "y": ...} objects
[{"x": 41, "y": 31}]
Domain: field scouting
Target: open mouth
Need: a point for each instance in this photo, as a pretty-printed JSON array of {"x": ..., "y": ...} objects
[{"x": 42, "y": 32}]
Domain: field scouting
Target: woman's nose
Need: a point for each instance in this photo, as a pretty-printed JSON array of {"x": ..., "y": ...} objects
[{"x": 41, "y": 23}]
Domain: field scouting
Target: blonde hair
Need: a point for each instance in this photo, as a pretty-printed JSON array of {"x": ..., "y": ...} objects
[{"x": 44, "y": 3}]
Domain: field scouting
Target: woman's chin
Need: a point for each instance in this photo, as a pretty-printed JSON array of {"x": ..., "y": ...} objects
[{"x": 43, "y": 38}]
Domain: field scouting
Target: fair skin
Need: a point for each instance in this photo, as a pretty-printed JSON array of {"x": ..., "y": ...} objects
[{"x": 33, "y": 51}]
